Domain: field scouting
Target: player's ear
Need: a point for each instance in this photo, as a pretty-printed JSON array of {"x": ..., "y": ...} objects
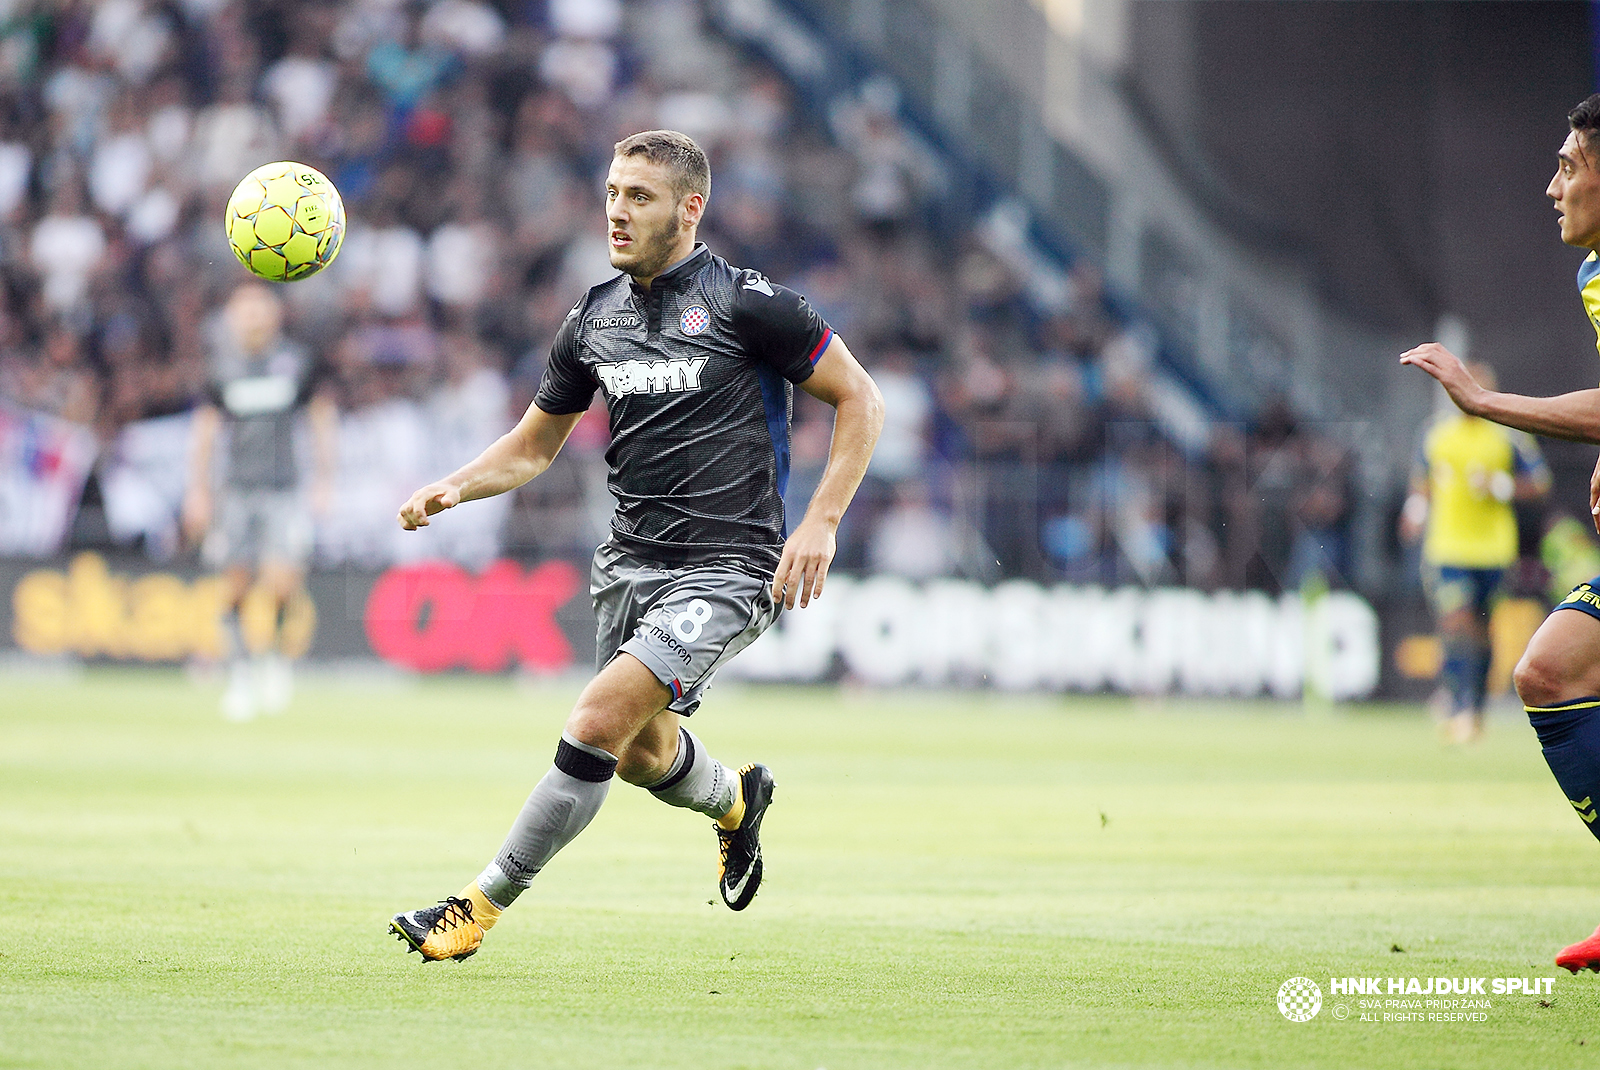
[{"x": 690, "y": 209}]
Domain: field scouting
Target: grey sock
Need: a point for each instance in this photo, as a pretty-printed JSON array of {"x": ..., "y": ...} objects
[
  {"x": 696, "y": 780},
  {"x": 560, "y": 806}
]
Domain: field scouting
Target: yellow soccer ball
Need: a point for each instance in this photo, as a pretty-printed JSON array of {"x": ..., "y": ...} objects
[{"x": 285, "y": 221}]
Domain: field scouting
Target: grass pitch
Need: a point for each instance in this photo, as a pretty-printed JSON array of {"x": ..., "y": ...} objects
[{"x": 952, "y": 881}]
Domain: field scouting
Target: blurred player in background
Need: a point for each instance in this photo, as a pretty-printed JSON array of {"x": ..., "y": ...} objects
[
  {"x": 1469, "y": 472},
  {"x": 697, "y": 361},
  {"x": 245, "y": 507},
  {"x": 1558, "y": 677}
]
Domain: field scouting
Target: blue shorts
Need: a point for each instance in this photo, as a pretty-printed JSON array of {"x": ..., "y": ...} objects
[
  {"x": 1450, "y": 589},
  {"x": 1585, "y": 598}
]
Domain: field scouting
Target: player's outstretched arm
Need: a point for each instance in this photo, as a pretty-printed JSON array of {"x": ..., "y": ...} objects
[
  {"x": 1574, "y": 416},
  {"x": 858, "y": 417},
  {"x": 513, "y": 459}
]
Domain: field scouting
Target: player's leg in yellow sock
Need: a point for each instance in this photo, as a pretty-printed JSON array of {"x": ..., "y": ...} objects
[
  {"x": 735, "y": 815},
  {"x": 484, "y": 910}
]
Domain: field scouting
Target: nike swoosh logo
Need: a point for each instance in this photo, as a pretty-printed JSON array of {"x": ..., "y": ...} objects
[{"x": 734, "y": 891}]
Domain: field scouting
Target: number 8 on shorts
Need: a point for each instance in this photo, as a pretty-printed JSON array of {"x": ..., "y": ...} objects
[{"x": 692, "y": 620}]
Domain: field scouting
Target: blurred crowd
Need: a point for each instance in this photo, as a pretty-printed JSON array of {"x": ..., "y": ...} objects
[{"x": 1031, "y": 429}]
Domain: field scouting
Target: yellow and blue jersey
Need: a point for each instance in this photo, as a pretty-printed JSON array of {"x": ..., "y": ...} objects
[
  {"x": 1471, "y": 466},
  {"x": 1589, "y": 288},
  {"x": 1584, "y": 596}
]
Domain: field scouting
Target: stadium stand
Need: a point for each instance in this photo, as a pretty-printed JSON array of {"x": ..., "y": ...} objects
[{"x": 1039, "y": 425}]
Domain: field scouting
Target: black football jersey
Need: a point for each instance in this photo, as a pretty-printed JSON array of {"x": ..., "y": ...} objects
[{"x": 697, "y": 374}]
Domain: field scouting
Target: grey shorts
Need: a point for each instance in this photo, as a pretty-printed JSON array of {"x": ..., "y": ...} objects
[
  {"x": 258, "y": 527},
  {"x": 682, "y": 622}
]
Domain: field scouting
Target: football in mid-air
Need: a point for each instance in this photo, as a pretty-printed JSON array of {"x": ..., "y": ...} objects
[{"x": 285, "y": 221}]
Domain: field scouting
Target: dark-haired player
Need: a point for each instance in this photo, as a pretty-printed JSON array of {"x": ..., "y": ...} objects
[
  {"x": 695, "y": 359},
  {"x": 255, "y": 526},
  {"x": 1558, "y": 677}
]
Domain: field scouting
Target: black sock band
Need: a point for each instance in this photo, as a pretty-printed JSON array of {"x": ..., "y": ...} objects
[
  {"x": 581, "y": 764},
  {"x": 684, "y": 764}
]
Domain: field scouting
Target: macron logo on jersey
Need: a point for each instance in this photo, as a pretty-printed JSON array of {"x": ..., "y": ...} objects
[
  {"x": 650, "y": 376},
  {"x": 625, "y": 319}
]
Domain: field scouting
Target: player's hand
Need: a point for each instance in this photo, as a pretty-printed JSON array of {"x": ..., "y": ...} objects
[
  {"x": 434, "y": 498},
  {"x": 1452, "y": 374},
  {"x": 804, "y": 565},
  {"x": 1594, "y": 497},
  {"x": 1413, "y": 518}
]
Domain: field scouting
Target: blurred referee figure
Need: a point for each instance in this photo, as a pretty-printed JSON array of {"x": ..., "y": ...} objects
[
  {"x": 696, "y": 360},
  {"x": 1558, "y": 678},
  {"x": 255, "y": 527},
  {"x": 1468, "y": 473}
]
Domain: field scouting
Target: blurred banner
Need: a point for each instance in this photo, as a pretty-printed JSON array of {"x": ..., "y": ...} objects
[
  {"x": 1022, "y": 636},
  {"x": 44, "y": 463},
  {"x": 142, "y": 479},
  {"x": 427, "y": 617},
  {"x": 435, "y": 616}
]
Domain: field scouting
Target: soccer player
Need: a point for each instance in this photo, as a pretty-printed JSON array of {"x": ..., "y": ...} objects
[
  {"x": 1558, "y": 678},
  {"x": 1469, "y": 471},
  {"x": 695, "y": 359},
  {"x": 256, "y": 530}
]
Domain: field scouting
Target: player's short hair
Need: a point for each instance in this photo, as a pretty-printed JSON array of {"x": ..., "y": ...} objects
[
  {"x": 1585, "y": 121},
  {"x": 678, "y": 153}
]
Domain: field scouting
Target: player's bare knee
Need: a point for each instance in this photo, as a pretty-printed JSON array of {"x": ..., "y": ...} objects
[
  {"x": 590, "y": 723},
  {"x": 641, "y": 765},
  {"x": 652, "y": 751},
  {"x": 282, "y": 580},
  {"x": 1538, "y": 681},
  {"x": 235, "y": 585}
]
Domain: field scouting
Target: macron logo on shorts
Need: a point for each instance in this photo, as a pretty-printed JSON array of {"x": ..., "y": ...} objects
[{"x": 650, "y": 376}]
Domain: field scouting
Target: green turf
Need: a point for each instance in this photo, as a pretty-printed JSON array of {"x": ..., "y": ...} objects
[{"x": 952, "y": 881}]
